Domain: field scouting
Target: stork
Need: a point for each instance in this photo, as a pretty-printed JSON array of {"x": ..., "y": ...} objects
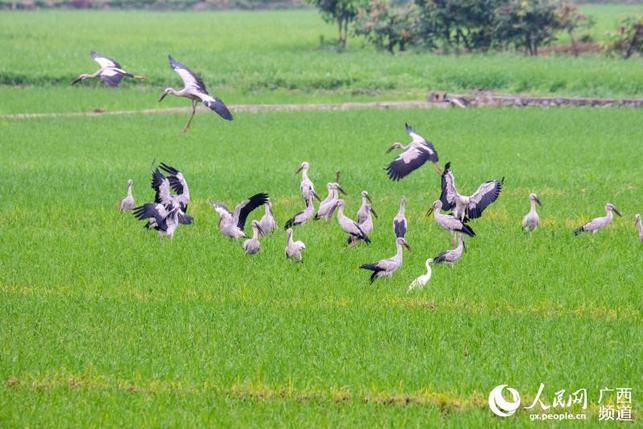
[
  {"x": 232, "y": 224},
  {"x": 327, "y": 207},
  {"x": 451, "y": 256},
  {"x": 158, "y": 217},
  {"x": 450, "y": 222},
  {"x": 302, "y": 216},
  {"x": 163, "y": 195},
  {"x": 422, "y": 280},
  {"x": 349, "y": 226},
  {"x": 366, "y": 208},
  {"x": 294, "y": 248},
  {"x": 531, "y": 219},
  {"x": 399, "y": 221},
  {"x": 195, "y": 90},
  {"x": 127, "y": 203},
  {"x": 637, "y": 222},
  {"x": 306, "y": 186},
  {"x": 109, "y": 72},
  {"x": 598, "y": 223},
  {"x": 386, "y": 267},
  {"x": 413, "y": 155},
  {"x": 470, "y": 206},
  {"x": 251, "y": 246},
  {"x": 267, "y": 223}
]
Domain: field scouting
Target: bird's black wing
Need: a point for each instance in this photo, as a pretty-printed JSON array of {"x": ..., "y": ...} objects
[
  {"x": 243, "y": 209},
  {"x": 400, "y": 228},
  {"x": 486, "y": 194},
  {"x": 219, "y": 107},
  {"x": 447, "y": 196},
  {"x": 190, "y": 79},
  {"x": 152, "y": 211},
  {"x": 407, "y": 162}
]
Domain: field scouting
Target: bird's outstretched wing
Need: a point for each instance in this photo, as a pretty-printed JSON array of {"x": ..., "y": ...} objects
[
  {"x": 176, "y": 179},
  {"x": 217, "y": 106},
  {"x": 486, "y": 194},
  {"x": 243, "y": 209},
  {"x": 408, "y": 161},
  {"x": 449, "y": 192},
  {"x": 154, "y": 213},
  {"x": 104, "y": 61},
  {"x": 161, "y": 186},
  {"x": 414, "y": 135},
  {"x": 190, "y": 79},
  {"x": 112, "y": 77}
]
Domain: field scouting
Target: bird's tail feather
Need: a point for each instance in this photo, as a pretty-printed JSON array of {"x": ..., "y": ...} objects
[
  {"x": 466, "y": 229},
  {"x": 578, "y": 231}
]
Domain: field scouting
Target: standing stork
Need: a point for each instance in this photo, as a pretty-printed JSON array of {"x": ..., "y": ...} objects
[
  {"x": 349, "y": 226},
  {"x": 302, "y": 216},
  {"x": 399, "y": 221},
  {"x": 449, "y": 222},
  {"x": 127, "y": 203},
  {"x": 251, "y": 246},
  {"x": 451, "y": 256},
  {"x": 598, "y": 223},
  {"x": 232, "y": 224},
  {"x": 294, "y": 248},
  {"x": 306, "y": 186},
  {"x": 422, "y": 280},
  {"x": 109, "y": 72},
  {"x": 366, "y": 208},
  {"x": 413, "y": 155},
  {"x": 637, "y": 222},
  {"x": 327, "y": 207},
  {"x": 267, "y": 223},
  {"x": 531, "y": 219},
  {"x": 386, "y": 267},
  {"x": 470, "y": 206},
  {"x": 195, "y": 90}
]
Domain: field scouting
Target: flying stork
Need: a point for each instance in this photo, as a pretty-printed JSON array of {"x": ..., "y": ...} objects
[
  {"x": 598, "y": 223},
  {"x": 158, "y": 217},
  {"x": 470, "y": 206},
  {"x": 162, "y": 187},
  {"x": 195, "y": 90},
  {"x": 413, "y": 155},
  {"x": 531, "y": 219},
  {"x": 386, "y": 267},
  {"x": 109, "y": 72},
  {"x": 231, "y": 224}
]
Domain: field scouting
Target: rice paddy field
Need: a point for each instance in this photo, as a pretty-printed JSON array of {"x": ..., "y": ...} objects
[{"x": 104, "y": 324}]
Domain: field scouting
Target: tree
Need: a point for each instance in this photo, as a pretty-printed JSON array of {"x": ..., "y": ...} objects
[
  {"x": 342, "y": 12},
  {"x": 387, "y": 27},
  {"x": 571, "y": 20},
  {"x": 629, "y": 37}
]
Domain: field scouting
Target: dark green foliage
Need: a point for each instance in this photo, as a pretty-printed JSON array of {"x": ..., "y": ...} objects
[
  {"x": 342, "y": 12},
  {"x": 628, "y": 39}
]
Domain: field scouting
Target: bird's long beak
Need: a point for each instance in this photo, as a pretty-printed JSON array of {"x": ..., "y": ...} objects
[
  {"x": 393, "y": 146},
  {"x": 464, "y": 245},
  {"x": 163, "y": 96},
  {"x": 339, "y": 188},
  {"x": 617, "y": 212},
  {"x": 374, "y": 213},
  {"x": 538, "y": 201},
  {"x": 316, "y": 196},
  {"x": 78, "y": 79},
  {"x": 429, "y": 211},
  {"x": 299, "y": 169},
  {"x": 368, "y": 198},
  {"x": 407, "y": 246}
]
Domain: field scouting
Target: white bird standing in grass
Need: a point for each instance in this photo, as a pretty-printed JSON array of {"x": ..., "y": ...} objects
[
  {"x": 386, "y": 267},
  {"x": 306, "y": 186},
  {"x": 327, "y": 207},
  {"x": 637, "y": 222},
  {"x": 110, "y": 71},
  {"x": 232, "y": 224},
  {"x": 531, "y": 219},
  {"x": 449, "y": 222},
  {"x": 599, "y": 223},
  {"x": 399, "y": 221},
  {"x": 195, "y": 90},
  {"x": 251, "y": 246},
  {"x": 349, "y": 226},
  {"x": 453, "y": 255},
  {"x": 421, "y": 281},
  {"x": 303, "y": 216},
  {"x": 413, "y": 155},
  {"x": 267, "y": 223},
  {"x": 128, "y": 203},
  {"x": 294, "y": 248},
  {"x": 470, "y": 206}
]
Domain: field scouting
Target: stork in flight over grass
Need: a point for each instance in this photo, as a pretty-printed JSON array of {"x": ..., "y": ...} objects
[
  {"x": 195, "y": 90},
  {"x": 413, "y": 156},
  {"x": 110, "y": 71}
]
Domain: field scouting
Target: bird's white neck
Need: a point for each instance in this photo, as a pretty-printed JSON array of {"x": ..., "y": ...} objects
[
  {"x": 402, "y": 210},
  {"x": 533, "y": 206},
  {"x": 400, "y": 252},
  {"x": 428, "y": 267},
  {"x": 304, "y": 174},
  {"x": 255, "y": 233},
  {"x": 129, "y": 189},
  {"x": 609, "y": 214}
]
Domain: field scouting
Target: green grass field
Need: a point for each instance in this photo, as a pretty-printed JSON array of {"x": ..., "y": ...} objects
[{"x": 103, "y": 322}]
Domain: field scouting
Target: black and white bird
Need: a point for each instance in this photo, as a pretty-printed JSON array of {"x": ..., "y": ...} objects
[
  {"x": 306, "y": 186},
  {"x": 163, "y": 187},
  {"x": 469, "y": 206},
  {"x": 195, "y": 90},
  {"x": 399, "y": 221},
  {"x": 251, "y": 246},
  {"x": 599, "y": 223},
  {"x": 232, "y": 224},
  {"x": 422, "y": 280},
  {"x": 158, "y": 217},
  {"x": 327, "y": 207},
  {"x": 531, "y": 219},
  {"x": 294, "y": 248},
  {"x": 366, "y": 209},
  {"x": 449, "y": 222},
  {"x": 386, "y": 267},
  {"x": 267, "y": 223},
  {"x": 109, "y": 72},
  {"x": 127, "y": 203},
  {"x": 451, "y": 256},
  {"x": 303, "y": 216},
  {"x": 413, "y": 155},
  {"x": 349, "y": 226}
]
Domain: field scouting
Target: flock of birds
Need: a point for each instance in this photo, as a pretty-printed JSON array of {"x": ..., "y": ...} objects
[{"x": 172, "y": 196}]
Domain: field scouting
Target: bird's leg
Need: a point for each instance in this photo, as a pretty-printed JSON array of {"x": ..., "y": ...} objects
[{"x": 187, "y": 126}]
